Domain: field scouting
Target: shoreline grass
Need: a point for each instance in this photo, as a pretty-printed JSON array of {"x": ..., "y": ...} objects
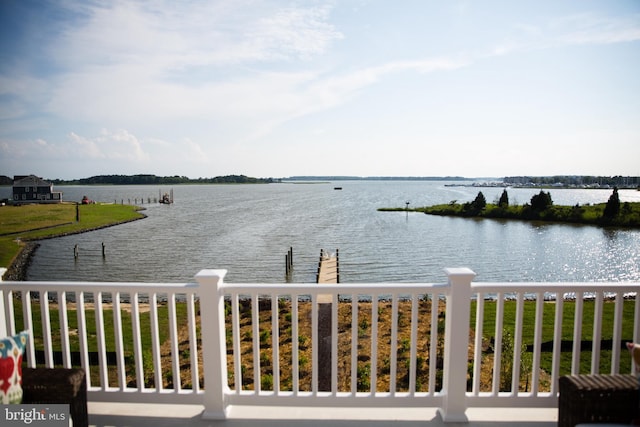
[
  {"x": 629, "y": 216},
  {"x": 19, "y": 224}
]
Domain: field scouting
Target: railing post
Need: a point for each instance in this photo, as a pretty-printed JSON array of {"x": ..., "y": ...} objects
[
  {"x": 214, "y": 351},
  {"x": 4, "y": 328},
  {"x": 456, "y": 345}
]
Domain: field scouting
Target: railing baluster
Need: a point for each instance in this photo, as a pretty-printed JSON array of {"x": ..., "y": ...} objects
[
  {"x": 394, "y": 345},
  {"x": 477, "y": 354},
  {"x": 334, "y": 345},
  {"x": 374, "y": 343},
  {"x": 354, "y": 343},
  {"x": 155, "y": 342},
  {"x": 137, "y": 342},
  {"x": 64, "y": 329},
  {"x": 27, "y": 316},
  {"x": 433, "y": 344},
  {"x": 8, "y": 310},
  {"x": 314, "y": 345},
  {"x": 117, "y": 324},
  {"x": 617, "y": 334},
  {"x": 577, "y": 334},
  {"x": 497, "y": 346},
  {"x": 557, "y": 341},
  {"x": 537, "y": 344},
  {"x": 517, "y": 346},
  {"x": 82, "y": 336},
  {"x": 414, "y": 344},
  {"x": 295, "y": 334},
  {"x": 255, "y": 325},
  {"x": 193, "y": 343},
  {"x": 100, "y": 334},
  {"x": 237, "y": 356},
  {"x": 275, "y": 342},
  {"x": 597, "y": 334},
  {"x": 46, "y": 329},
  {"x": 174, "y": 340}
]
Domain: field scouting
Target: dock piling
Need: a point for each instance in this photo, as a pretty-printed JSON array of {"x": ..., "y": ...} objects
[{"x": 288, "y": 261}]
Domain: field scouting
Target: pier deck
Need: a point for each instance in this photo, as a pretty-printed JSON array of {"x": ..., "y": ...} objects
[
  {"x": 328, "y": 268},
  {"x": 328, "y": 272}
]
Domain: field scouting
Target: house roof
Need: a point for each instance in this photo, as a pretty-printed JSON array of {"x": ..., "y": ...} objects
[{"x": 29, "y": 181}]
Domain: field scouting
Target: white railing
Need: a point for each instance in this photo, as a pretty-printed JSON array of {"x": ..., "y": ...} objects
[{"x": 453, "y": 345}]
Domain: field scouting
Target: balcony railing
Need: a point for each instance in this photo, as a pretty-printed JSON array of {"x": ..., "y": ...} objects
[{"x": 450, "y": 345}]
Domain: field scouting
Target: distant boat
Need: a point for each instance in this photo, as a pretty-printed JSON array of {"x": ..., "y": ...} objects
[{"x": 337, "y": 188}]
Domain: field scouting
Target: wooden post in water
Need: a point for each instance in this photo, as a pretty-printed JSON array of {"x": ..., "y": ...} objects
[
  {"x": 103, "y": 250},
  {"x": 288, "y": 261},
  {"x": 76, "y": 251},
  {"x": 337, "y": 266}
]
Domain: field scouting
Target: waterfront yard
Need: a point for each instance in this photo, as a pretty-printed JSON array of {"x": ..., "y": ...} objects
[{"x": 19, "y": 224}]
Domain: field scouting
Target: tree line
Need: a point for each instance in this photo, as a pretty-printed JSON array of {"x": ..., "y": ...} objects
[
  {"x": 146, "y": 179},
  {"x": 576, "y": 180}
]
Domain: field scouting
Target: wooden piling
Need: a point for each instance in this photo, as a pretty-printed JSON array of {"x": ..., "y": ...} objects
[{"x": 288, "y": 261}]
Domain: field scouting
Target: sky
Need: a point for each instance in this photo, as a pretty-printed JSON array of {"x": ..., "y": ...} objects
[{"x": 288, "y": 88}]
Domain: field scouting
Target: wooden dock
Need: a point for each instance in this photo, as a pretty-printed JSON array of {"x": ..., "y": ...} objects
[{"x": 328, "y": 268}]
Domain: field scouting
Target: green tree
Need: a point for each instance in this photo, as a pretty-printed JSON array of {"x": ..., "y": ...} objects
[
  {"x": 479, "y": 202},
  {"x": 541, "y": 201},
  {"x": 613, "y": 206},
  {"x": 475, "y": 207},
  {"x": 504, "y": 199}
]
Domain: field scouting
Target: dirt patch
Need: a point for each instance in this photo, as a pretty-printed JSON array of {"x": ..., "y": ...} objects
[{"x": 428, "y": 358}]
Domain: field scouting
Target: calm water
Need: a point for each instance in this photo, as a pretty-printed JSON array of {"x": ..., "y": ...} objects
[{"x": 247, "y": 229}]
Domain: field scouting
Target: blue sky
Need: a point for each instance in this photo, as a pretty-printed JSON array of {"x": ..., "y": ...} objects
[{"x": 282, "y": 88}]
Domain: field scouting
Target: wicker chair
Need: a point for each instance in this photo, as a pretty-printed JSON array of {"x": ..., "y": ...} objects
[
  {"x": 598, "y": 399},
  {"x": 59, "y": 385}
]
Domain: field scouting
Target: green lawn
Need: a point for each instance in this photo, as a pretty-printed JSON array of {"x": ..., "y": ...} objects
[
  {"x": 548, "y": 318},
  {"x": 32, "y": 222},
  {"x": 109, "y": 332}
]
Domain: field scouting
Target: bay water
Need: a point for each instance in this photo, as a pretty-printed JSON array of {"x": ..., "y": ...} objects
[{"x": 248, "y": 229}]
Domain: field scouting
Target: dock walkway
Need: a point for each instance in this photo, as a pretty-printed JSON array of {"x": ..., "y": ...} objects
[{"x": 328, "y": 270}]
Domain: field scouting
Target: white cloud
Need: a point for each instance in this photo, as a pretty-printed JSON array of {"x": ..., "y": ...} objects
[
  {"x": 578, "y": 29},
  {"x": 294, "y": 32}
]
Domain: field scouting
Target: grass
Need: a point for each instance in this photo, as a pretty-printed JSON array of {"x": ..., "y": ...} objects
[
  {"x": 629, "y": 215},
  {"x": 37, "y": 221},
  {"x": 109, "y": 334},
  {"x": 548, "y": 318}
]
